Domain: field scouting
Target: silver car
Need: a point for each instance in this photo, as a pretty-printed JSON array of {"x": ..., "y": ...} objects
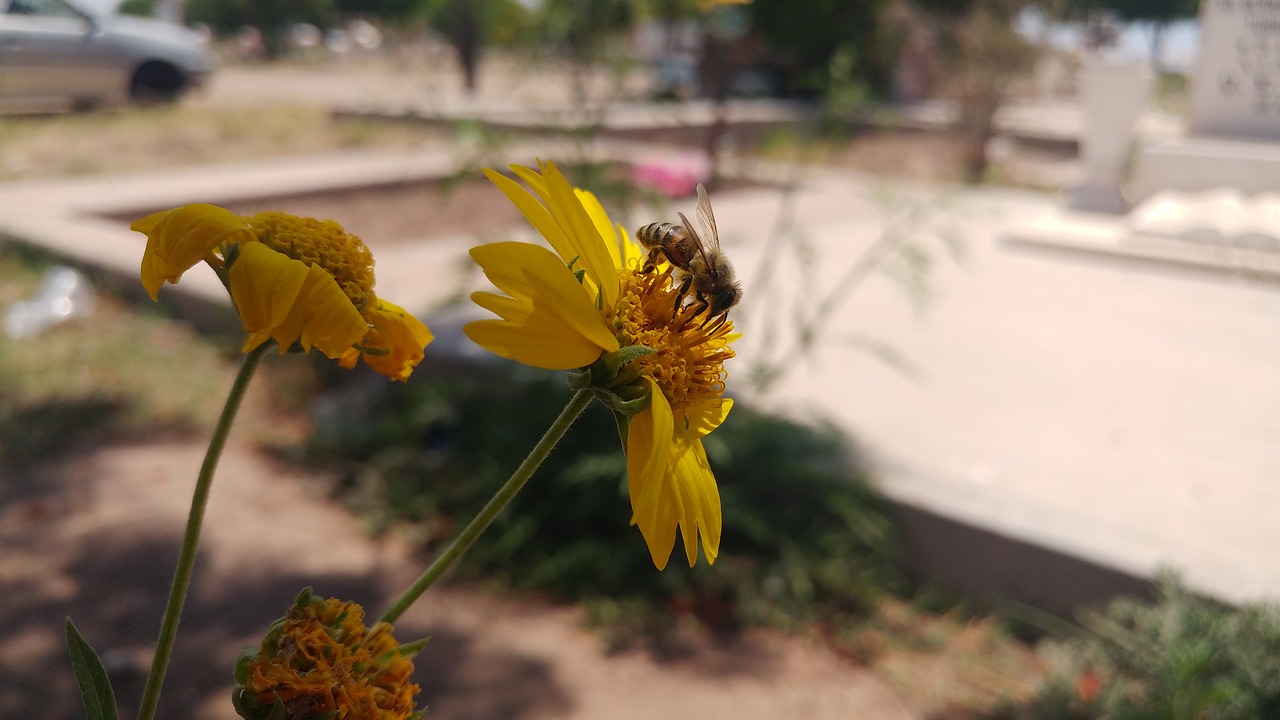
[{"x": 53, "y": 54}]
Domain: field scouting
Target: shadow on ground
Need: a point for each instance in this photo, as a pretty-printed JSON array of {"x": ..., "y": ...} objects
[{"x": 112, "y": 581}]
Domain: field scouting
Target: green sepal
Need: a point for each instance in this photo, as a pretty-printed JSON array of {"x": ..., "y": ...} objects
[
  {"x": 247, "y": 706},
  {"x": 626, "y": 355},
  {"x": 278, "y": 711},
  {"x": 623, "y": 422},
  {"x": 91, "y": 675},
  {"x": 411, "y": 649},
  {"x": 579, "y": 379},
  {"x": 245, "y": 703},
  {"x": 605, "y": 371},
  {"x": 244, "y": 661},
  {"x": 578, "y": 273},
  {"x": 633, "y": 402},
  {"x": 304, "y": 597}
]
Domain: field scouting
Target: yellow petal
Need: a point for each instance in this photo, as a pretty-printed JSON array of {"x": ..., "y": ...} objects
[
  {"x": 568, "y": 211},
  {"x": 399, "y": 336},
  {"x": 540, "y": 341},
  {"x": 648, "y": 453},
  {"x": 671, "y": 484},
  {"x": 706, "y": 416},
  {"x": 264, "y": 287},
  {"x": 177, "y": 239},
  {"x": 604, "y": 226},
  {"x": 322, "y": 316},
  {"x": 554, "y": 227},
  {"x": 534, "y": 212},
  {"x": 534, "y": 274},
  {"x": 533, "y": 178},
  {"x": 631, "y": 251},
  {"x": 696, "y": 498}
]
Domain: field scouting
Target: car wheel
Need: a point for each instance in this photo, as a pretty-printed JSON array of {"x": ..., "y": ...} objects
[{"x": 156, "y": 83}]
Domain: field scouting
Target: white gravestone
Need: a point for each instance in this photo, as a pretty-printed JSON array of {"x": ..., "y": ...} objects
[
  {"x": 1112, "y": 96},
  {"x": 1236, "y": 92},
  {"x": 1235, "y": 108}
]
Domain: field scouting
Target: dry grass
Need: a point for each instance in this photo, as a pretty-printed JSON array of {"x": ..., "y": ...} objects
[
  {"x": 187, "y": 134},
  {"x": 117, "y": 374}
]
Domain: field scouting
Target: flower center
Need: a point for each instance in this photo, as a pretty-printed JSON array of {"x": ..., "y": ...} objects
[
  {"x": 323, "y": 242},
  {"x": 322, "y": 660},
  {"x": 689, "y": 352}
]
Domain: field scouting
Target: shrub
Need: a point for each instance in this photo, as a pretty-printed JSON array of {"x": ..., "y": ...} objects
[
  {"x": 1180, "y": 657},
  {"x": 804, "y": 531}
]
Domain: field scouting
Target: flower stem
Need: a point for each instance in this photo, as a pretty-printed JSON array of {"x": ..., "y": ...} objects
[
  {"x": 495, "y": 505},
  {"x": 195, "y": 519}
]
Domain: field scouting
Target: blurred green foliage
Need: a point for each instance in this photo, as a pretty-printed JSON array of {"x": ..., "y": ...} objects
[
  {"x": 1179, "y": 657},
  {"x": 805, "y": 36},
  {"x": 805, "y": 535},
  {"x": 138, "y": 8},
  {"x": 1155, "y": 11},
  {"x": 503, "y": 23},
  {"x": 270, "y": 16}
]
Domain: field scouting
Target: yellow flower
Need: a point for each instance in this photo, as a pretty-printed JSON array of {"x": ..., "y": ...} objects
[
  {"x": 320, "y": 660},
  {"x": 293, "y": 280},
  {"x": 566, "y": 309}
]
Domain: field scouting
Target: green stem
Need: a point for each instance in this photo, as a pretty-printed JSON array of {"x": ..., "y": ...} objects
[
  {"x": 195, "y": 519},
  {"x": 491, "y": 509}
]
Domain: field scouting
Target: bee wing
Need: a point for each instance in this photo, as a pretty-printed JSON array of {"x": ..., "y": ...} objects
[
  {"x": 707, "y": 218},
  {"x": 697, "y": 240}
]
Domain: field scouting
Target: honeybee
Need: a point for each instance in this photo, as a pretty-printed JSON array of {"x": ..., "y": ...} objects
[{"x": 701, "y": 265}]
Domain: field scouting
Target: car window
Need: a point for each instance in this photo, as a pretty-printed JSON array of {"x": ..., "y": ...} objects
[{"x": 42, "y": 8}]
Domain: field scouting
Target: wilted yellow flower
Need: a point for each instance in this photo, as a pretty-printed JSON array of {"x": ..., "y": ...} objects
[
  {"x": 320, "y": 661},
  {"x": 292, "y": 279},
  {"x": 591, "y": 298}
]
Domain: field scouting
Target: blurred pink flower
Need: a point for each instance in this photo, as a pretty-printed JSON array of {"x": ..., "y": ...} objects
[{"x": 673, "y": 179}]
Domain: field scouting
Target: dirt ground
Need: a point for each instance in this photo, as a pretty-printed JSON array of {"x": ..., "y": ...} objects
[{"x": 93, "y": 536}]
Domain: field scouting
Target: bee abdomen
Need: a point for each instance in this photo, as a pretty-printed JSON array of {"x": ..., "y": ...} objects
[{"x": 659, "y": 233}]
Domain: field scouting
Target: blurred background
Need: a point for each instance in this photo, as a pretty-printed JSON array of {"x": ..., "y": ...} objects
[{"x": 1004, "y": 427}]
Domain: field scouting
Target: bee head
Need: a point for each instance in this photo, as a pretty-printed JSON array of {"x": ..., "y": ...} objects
[{"x": 723, "y": 298}]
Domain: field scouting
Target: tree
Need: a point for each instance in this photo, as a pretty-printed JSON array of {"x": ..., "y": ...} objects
[
  {"x": 270, "y": 16},
  {"x": 983, "y": 55},
  {"x": 805, "y": 36},
  {"x": 469, "y": 25},
  {"x": 1158, "y": 14}
]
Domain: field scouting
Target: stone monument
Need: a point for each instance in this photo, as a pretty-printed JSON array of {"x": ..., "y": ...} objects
[
  {"x": 1210, "y": 198},
  {"x": 1234, "y": 123},
  {"x": 1112, "y": 97}
]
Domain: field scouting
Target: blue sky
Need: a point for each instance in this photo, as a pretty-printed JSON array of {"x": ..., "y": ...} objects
[{"x": 1180, "y": 44}]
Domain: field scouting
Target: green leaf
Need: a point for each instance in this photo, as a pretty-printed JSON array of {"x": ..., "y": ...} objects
[{"x": 95, "y": 687}]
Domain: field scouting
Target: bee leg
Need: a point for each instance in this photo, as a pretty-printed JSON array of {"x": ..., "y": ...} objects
[
  {"x": 721, "y": 318},
  {"x": 685, "y": 283},
  {"x": 700, "y": 305}
]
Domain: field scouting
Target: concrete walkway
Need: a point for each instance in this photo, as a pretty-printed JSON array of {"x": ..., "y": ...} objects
[{"x": 1118, "y": 412}]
